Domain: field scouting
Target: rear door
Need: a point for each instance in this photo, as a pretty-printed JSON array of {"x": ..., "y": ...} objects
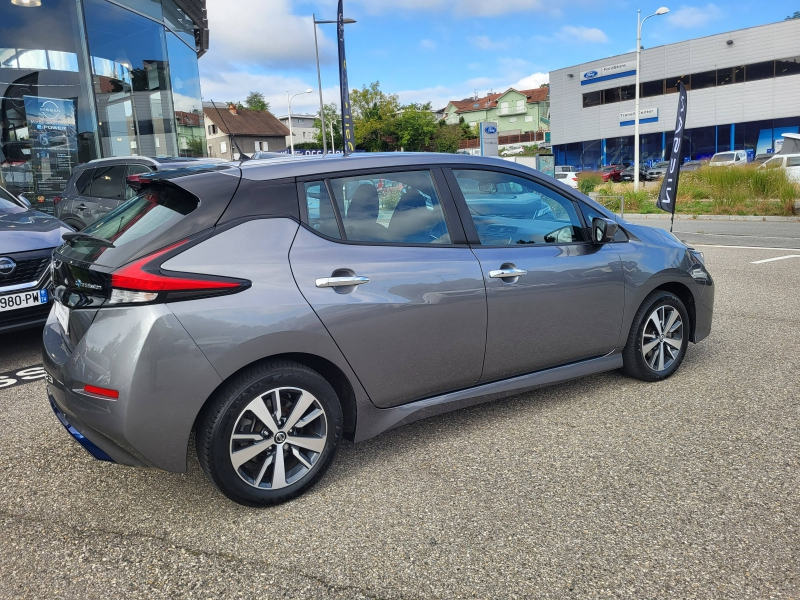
[
  {"x": 553, "y": 298},
  {"x": 387, "y": 270},
  {"x": 105, "y": 193}
]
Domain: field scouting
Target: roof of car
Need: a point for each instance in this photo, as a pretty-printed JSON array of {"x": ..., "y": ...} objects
[{"x": 149, "y": 160}]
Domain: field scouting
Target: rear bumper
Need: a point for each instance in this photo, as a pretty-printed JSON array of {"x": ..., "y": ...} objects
[{"x": 90, "y": 446}]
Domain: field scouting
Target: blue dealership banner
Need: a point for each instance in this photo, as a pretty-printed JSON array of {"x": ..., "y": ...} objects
[
  {"x": 344, "y": 89},
  {"x": 54, "y": 146}
]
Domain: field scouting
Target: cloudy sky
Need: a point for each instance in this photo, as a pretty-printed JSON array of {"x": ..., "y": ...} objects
[{"x": 438, "y": 50}]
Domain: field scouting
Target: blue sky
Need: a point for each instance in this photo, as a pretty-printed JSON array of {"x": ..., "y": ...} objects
[{"x": 437, "y": 50}]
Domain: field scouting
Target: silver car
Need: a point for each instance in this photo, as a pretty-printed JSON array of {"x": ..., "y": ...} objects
[{"x": 275, "y": 307}]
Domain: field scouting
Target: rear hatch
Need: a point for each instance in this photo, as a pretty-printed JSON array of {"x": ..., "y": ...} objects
[{"x": 170, "y": 208}]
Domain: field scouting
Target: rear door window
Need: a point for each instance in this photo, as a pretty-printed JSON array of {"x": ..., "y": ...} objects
[
  {"x": 108, "y": 181},
  {"x": 793, "y": 161}
]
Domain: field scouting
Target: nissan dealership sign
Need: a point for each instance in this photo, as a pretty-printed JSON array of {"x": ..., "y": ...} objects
[{"x": 608, "y": 72}]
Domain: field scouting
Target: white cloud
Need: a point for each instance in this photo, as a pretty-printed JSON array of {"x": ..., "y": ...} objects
[
  {"x": 461, "y": 8},
  {"x": 692, "y": 17},
  {"x": 534, "y": 80},
  {"x": 484, "y": 42},
  {"x": 572, "y": 33},
  {"x": 270, "y": 35},
  {"x": 427, "y": 44}
]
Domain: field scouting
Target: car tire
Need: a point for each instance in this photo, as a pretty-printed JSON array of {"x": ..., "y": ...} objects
[
  {"x": 651, "y": 353},
  {"x": 76, "y": 225},
  {"x": 252, "y": 443}
]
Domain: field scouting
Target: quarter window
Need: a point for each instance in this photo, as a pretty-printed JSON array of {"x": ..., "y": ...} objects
[
  {"x": 320, "y": 209},
  {"x": 401, "y": 208},
  {"x": 509, "y": 210},
  {"x": 793, "y": 161},
  {"x": 82, "y": 185}
]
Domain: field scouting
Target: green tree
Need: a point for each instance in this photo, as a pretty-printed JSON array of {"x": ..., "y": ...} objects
[
  {"x": 195, "y": 146},
  {"x": 468, "y": 132},
  {"x": 334, "y": 116},
  {"x": 255, "y": 101},
  {"x": 416, "y": 126},
  {"x": 447, "y": 137},
  {"x": 238, "y": 105},
  {"x": 796, "y": 15},
  {"x": 374, "y": 117}
]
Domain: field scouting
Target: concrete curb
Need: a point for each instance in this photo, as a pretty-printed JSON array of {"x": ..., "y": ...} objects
[{"x": 679, "y": 217}]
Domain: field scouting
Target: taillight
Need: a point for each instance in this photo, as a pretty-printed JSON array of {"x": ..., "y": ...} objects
[
  {"x": 134, "y": 182},
  {"x": 144, "y": 281},
  {"x": 56, "y": 200}
]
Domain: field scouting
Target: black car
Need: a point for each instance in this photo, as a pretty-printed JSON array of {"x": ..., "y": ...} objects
[
  {"x": 27, "y": 239},
  {"x": 627, "y": 174},
  {"x": 101, "y": 185}
]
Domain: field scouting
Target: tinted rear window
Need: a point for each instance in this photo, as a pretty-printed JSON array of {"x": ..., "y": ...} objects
[{"x": 132, "y": 225}]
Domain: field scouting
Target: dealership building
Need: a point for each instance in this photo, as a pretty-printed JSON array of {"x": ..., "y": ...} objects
[
  {"x": 743, "y": 94},
  {"x": 86, "y": 79}
]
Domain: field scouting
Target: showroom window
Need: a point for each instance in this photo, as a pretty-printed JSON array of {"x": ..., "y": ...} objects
[
  {"x": 653, "y": 88},
  {"x": 730, "y": 75},
  {"x": 592, "y": 99},
  {"x": 129, "y": 63},
  {"x": 627, "y": 92},
  {"x": 47, "y": 126},
  {"x": 186, "y": 99},
  {"x": 787, "y": 66},
  {"x": 704, "y": 80},
  {"x": 671, "y": 83},
  {"x": 762, "y": 70},
  {"x": 611, "y": 95}
]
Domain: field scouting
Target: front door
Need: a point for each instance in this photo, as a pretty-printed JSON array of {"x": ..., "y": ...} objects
[
  {"x": 552, "y": 297},
  {"x": 404, "y": 303}
]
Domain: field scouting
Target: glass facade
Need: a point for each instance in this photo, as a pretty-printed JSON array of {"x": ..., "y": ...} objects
[
  {"x": 699, "y": 143},
  {"x": 85, "y": 79}
]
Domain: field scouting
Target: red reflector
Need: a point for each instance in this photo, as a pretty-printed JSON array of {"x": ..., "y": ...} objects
[
  {"x": 93, "y": 389},
  {"x": 134, "y": 277}
]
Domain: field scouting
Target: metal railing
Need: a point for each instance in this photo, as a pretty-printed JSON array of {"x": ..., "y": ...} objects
[
  {"x": 512, "y": 110},
  {"x": 612, "y": 205}
]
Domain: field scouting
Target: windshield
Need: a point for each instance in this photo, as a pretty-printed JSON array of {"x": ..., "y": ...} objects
[
  {"x": 133, "y": 224},
  {"x": 8, "y": 205},
  {"x": 724, "y": 157}
]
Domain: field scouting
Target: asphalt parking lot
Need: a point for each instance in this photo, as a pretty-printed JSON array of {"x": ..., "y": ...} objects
[{"x": 601, "y": 487}]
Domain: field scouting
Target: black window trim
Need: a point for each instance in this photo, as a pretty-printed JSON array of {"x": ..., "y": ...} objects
[
  {"x": 463, "y": 209},
  {"x": 452, "y": 217}
]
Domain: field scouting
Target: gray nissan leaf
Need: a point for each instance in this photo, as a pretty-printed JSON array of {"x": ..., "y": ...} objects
[{"x": 274, "y": 307}]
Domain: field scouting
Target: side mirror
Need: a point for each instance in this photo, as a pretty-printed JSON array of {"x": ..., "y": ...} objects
[
  {"x": 24, "y": 200},
  {"x": 603, "y": 230}
]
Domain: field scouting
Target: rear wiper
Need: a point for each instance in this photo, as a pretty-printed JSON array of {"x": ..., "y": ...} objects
[{"x": 77, "y": 235}]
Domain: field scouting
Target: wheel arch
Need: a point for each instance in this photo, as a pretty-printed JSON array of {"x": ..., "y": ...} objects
[
  {"x": 686, "y": 296},
  {"x": 326, "y": 368}
]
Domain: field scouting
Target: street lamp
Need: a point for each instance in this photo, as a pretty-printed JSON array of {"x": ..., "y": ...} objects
[
  {"x": 319, "y": 82},
  {"x": 639, "y": 22},
  {"x": 289, "y": 102}
]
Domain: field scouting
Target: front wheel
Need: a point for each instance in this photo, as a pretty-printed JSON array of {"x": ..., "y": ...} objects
[
  {"x": 270, "y": 433},
  {"x": 658, "y": 338}
]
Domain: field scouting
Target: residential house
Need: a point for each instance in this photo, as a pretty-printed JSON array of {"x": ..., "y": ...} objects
[
  {"x": 302, "y": 127},
  {"x": 253, "y": 130},
  {"x": 514, "y": 111}
]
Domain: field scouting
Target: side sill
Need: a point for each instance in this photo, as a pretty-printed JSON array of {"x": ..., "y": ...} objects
[{"x": 372, "y": 421}]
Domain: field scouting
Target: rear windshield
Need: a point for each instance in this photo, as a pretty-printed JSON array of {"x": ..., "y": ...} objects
[
  {"x": 724, "y": 157},
  {"x": 132, "y": 225}
]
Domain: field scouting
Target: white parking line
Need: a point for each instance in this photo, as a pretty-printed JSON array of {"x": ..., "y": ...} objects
[
  {"x": 766, "y": 260},
  {"x": 743, "y": 247}
]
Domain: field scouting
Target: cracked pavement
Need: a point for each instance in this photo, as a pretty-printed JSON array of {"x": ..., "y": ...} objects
[{"x": 600, "y": 487}]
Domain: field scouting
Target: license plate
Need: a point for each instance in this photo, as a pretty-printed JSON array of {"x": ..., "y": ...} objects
[
  {"x": 23, "y": 299},
  {"x": 62, "y": 315}
]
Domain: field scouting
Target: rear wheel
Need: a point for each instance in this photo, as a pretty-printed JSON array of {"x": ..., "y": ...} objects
[
  {"x": 658, "y": 338},
  {"x": 270, "y": 434}
]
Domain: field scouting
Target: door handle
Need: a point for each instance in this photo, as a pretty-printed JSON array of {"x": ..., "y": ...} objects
[
  {"x": 326, "y": 282},
  {"x": 506, "y": 273},
  {"x": 81, "y": 206}
]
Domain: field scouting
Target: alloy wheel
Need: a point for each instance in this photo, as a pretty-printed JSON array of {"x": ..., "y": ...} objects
[
  {"x": 662, "y": 338},
  {"x": 278, "y": 438}
]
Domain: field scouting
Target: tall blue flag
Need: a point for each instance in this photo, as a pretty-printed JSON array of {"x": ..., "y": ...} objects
[{"x": 348, "y": 133}]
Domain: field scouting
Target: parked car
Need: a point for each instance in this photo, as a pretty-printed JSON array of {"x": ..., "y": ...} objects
[
  {"x": 512, "y": 150},
  {"x": 692, "y": 165},
  {"x": 565, "y": 169},
  {"x": 247, "y": 304},
  {"x": 570, "y": 179},
  {"x": 627, "y": 174},
  {"x": 658, "y": 170},
  {"x": 788, "y": 162},
  {"x": 27, "y": 240},
  {"x": 760, "y": 159},
  {"x": 265, "y": 154},
  {"x": 612, "y": 173},
  {"x": 99, "y": 186},
  {"x": 734, "y": 158}
]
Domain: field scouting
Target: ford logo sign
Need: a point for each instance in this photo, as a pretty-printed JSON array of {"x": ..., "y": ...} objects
[
  {"x": 490, "y": 129},
  {"x": 590, "y": 75},
  {"x": 7, "y": 265}
]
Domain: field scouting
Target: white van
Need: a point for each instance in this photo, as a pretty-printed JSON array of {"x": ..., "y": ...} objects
[
  {"x": 789, "y": 162},
  {"x": 733, "y": 158},
  {"x": 565, "y": 169}
]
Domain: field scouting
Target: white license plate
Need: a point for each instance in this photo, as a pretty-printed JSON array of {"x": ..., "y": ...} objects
[
  {"x": 23, "y": 300},
  {"x": 62, "y": 315}
]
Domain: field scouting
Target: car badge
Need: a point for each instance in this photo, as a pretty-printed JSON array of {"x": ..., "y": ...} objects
[{"x": 7, "y": 265}]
